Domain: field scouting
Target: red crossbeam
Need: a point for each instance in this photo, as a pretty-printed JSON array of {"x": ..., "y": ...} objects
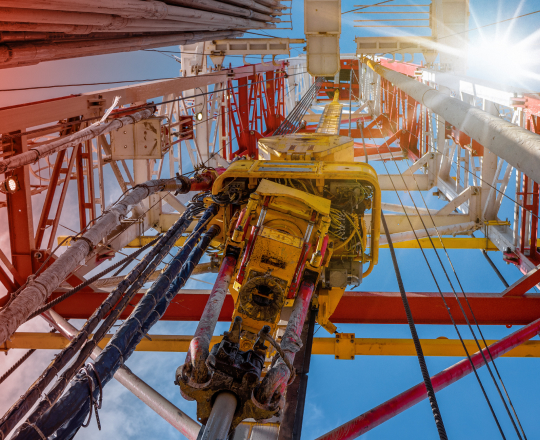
[{"x": 354, "y": 307}]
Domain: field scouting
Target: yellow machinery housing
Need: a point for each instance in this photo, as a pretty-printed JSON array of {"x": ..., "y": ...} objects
[{"x": 303, "y": 211}]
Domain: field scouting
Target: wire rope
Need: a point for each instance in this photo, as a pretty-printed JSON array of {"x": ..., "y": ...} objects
[
  {"x": 459, "y": 303},
  {"x": 417, "y": 346},
  {"x": 440, "y": 293}
]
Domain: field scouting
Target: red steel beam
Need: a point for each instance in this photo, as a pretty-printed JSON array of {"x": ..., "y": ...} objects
[
  {"x": 19, "y": 213},
  {"x": 354, "y": 308},
  {"x": 521, "y": 286},
  {"x": 385, "y": 411}
]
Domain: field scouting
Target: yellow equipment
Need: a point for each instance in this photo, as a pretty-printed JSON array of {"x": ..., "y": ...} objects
[{"x": 305, "y": 215}]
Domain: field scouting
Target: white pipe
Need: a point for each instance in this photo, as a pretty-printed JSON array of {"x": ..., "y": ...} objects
[
  {"x": 433, "y": 233},
  {"x": 12, "y": 54},
  {"x": 219, "y": 422},
  {"x": 154, "y": 400},
  {"x": 153, "y": 10},
  {"x": 38, "y": 289},
  {"x": 392, "y": 207},
  {"x": 518, "y": 146},
  {"x": 34, "y": 154}
]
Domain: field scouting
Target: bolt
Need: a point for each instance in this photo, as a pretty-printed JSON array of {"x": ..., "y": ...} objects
[
  {"x": 352, "y": 341},
  {"x": 125, "y": 146},
  {"x": 38, "y": 255},
  {"x": 337, "y": 341},
  {"x": 125, "y": 132}
]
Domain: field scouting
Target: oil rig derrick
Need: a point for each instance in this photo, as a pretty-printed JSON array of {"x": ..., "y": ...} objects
[{"x": 281, "y": 183}]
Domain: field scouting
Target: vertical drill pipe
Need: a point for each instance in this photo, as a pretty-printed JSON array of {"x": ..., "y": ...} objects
[
  {"x": 27, "y": 401},
  {"x": 385, "y": 411},
  {"x": 199, "y": 346},
  {"x": 278, "y": 377},
  {"x": 219, "y": 422}
]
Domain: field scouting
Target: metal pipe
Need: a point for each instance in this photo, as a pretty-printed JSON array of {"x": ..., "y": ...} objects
[
  {"x": 219, "y": 422},
  {"x": 129, "y": 32},
  {"x": 250, "y": 4},
  {"x": 154, "y": 10},
  {"x": 373, "y": 418},
  {"x": 421, "y": 233},
  {"x": 200, "y": 345},
  {"x": 14, "y": 53},
  {"x": 277, "y": 378},
  {"x": 224, "y": 8},
  {"x": 222, "y": 34},
  {"x": 39, "y": 289},
  {"x": 73, "y": 140},
  {"x": 518, "y": 146},
  {"x": 154, "y": 400}
]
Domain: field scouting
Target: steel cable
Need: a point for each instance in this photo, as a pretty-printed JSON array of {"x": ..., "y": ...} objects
[
  {"x": 292, "y": 121},
  {"x": 459, "y": 303},
  {"x": 468, "y": 304},
  {"x": 124, "y": 262},
  {"x": 416, "y": 340}
]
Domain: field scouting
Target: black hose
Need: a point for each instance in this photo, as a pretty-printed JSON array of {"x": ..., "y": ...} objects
[
  {"x": 131, "y": 283},
  {"x": 417, "y": 346}
]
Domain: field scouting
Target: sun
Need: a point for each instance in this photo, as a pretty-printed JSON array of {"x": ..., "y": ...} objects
[{"x": 502, "y": 59}]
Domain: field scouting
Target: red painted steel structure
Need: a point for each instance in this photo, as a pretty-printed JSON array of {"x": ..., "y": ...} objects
[
  {"x": 354, "y": 307},
  {"x": 255, "y": 108},
  {"x": 401, "y": 121},
  {"x": 373, "y": 418}
]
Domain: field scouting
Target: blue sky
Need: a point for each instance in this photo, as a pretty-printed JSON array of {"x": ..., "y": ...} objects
[{"x": 338, "y": 390}]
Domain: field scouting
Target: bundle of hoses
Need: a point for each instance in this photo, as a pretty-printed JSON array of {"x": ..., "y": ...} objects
[
  {"x": 109, "y": 311},
  {"x": 419, "y": 353},
  {"x": 68, "y": 414},
  {"x": 292, "y": 123}
]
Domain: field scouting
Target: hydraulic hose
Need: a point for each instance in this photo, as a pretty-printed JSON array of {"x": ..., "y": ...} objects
[
  {"x": 419, "y": 353},
  {"x": 131, "y": 283},
  {"x": 68, "y": 414}
]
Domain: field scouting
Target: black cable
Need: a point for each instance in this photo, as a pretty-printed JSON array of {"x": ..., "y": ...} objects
[
  {"x": 492, "y": 264},
  {"x": 443, "y": 299},
  {"x": 462, "y": 310},
  {"x": 124, "y": 262},
  {"x": 470, "y": 309},
  {"x": 416, "y": 339},
  {"x": 17, "y": 364}
]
